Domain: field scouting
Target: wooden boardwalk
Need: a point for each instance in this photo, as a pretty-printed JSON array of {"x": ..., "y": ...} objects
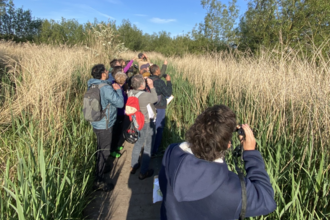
[{"x": 131, "y": 198}]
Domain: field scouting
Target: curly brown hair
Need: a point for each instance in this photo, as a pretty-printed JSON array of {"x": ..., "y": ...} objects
[{"x": 210, "y": 134}]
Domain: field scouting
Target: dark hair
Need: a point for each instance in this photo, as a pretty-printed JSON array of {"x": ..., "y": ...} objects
[
  {"x": 113, "y": 63},
  {"x": 210, "y": 134},
  {"x": 121, "y": 61},
  {"x": 97, "y": 71},
  {"x": 115, "y": 70},
  {"x": 140, "y": 55},
  {"x": 137, "y": 81},
  {"x": 153, "y": 69}
]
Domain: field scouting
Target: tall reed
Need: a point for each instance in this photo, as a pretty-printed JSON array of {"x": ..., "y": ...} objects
[
  {"x": 47, "y": 148},
  {"x": 285, "y": 98}
]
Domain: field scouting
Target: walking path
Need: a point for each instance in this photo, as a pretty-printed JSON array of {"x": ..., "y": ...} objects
[{"x": 131, "y": 198}]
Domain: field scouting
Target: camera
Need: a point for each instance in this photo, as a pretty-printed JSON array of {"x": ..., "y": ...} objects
[
  {"x": 237, "y": 152},
  {"x": 240, "y": 131},
  {"x": 164, "y": 75}
]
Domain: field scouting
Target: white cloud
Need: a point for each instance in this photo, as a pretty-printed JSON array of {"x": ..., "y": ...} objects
[
  {"x": 162, "y": 21},
  {"x": 140, "y": 15},
  {"x": 105, "y": 15},
  {"x": 95, "y": 10}
]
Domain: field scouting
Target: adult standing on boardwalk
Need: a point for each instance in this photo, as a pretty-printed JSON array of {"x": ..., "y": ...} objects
[
  {"x": 146, "y": 101},
  {"x": 163, "y": 91},
  {"x": 143, "y": 61},
  {"x": 195, "y": 180},
  {"x": 111, "y": 99}
]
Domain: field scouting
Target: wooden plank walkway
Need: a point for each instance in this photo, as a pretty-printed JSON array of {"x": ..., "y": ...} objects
[{"x": 131, "y": 198}]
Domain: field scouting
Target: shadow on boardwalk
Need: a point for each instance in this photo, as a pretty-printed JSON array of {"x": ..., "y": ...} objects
[{"x": 131, "y": 198}]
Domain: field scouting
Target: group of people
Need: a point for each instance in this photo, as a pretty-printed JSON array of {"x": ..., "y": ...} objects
[
  {"x": 123, "y": 80},
  {"x": 194, "y": 179}
]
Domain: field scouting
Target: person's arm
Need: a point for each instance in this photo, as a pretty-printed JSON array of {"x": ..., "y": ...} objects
[
  {"x": 114, "y": 95},
  {"x": 153, "y": 94},
  {"x": 126, "y": 68},
  {"x": 147, "y": 58},
  {"x": 259, "y": 191},
  {"x": 165, "y": 89},
  {"x": 164, "y": 67}
]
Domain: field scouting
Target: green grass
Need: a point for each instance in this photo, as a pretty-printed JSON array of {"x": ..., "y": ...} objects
[
  {"x": 298, "y": 164},
  {"x": 47, "y": 175}
]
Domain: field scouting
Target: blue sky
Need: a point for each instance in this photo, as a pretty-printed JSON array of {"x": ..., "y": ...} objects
[{"x": 174, "y": 16}]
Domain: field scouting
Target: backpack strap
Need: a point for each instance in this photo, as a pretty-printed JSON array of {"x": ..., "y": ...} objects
[
  {"x": 102, "y": 84},
  {"x": 130, "y": 93},
  {"x": 242, "y": 181},
  {"x": 244, "y": 202},
  {"x": 137, "y": 95},
  {"x": 106, "y": 108}
]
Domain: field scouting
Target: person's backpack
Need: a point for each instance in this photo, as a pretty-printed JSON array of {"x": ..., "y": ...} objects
[
  {"x": 92, "y": 107},
  {"x": 136, "y": 117}
]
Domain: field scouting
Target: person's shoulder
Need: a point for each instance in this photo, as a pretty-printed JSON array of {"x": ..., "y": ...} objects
[
  {"x": 160, "y": 82},
  {"x": 106, "y": 86},
  {"x": 143, "y": 94}
]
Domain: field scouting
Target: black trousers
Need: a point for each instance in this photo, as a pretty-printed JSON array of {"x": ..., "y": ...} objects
[
  {"x": 104, "y": 138},
  {"x": 121, "y": 124}
]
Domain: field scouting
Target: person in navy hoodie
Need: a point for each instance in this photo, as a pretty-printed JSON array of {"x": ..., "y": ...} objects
[{"x": 195, "y": 180}]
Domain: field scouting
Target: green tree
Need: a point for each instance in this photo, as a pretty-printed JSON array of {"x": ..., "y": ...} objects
[
  {"x": 131, "y": 36},
  {"x": 68, "y": 32},
  {"x": 18, "y": 24},
  {"x": 2, "y": 11},
  {"x": 289, "y": 23},
  {"x": 219, "y": 23}
]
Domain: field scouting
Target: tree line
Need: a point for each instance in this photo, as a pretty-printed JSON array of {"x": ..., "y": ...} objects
[{"x": 287, "y": 24}]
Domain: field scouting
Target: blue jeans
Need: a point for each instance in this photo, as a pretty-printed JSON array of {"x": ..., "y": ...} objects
[
  {"x": 145, "y": 140},
  {"x": 160, "y": 125}
]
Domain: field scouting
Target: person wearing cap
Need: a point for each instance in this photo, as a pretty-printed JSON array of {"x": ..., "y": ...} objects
[
  {"x": 143, "y": 61},
  {"x": 146, "y": 74}
]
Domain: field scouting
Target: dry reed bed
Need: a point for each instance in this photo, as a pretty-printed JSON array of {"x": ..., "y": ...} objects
[
  {"x": 271, "y": 86},
  {"x": 295, "y": 91},
  {"x": 42, "y": 76}
]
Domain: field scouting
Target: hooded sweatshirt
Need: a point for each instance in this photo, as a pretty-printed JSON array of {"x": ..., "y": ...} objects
[
  {"x": 198, "y": 189},
  {"x": 108, "y": 96}
]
